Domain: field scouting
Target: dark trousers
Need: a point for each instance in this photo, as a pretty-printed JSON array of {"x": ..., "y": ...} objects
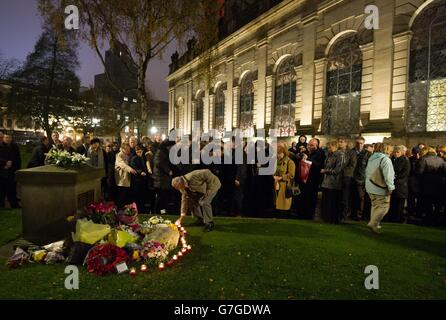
[
  {"x": 396, "y": 211},
  {"x": 347, "y": 184},
  {"x": 139, "y": 193},
  {"x": 413, "y": 204},
  {"x": 331, "y": 205},
  {"x": 8, "y": 189},
  {"x": 123, "y": 196},
  {"x": 358, "y": 199},
  {"x": 162, "y": 200},
  {"x": 307, "y": 200},
  {"x": 430, "y": 206},
  {"x": 366, "y": 213}
]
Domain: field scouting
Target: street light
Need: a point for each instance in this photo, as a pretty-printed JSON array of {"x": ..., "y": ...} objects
[{"x": 153, "y": 130}]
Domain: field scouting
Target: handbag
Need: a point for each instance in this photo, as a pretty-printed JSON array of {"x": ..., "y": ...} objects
[
  {"x": 304, "y": 172},
  {"x": 291, "y": 189},
  {"x": 377, "y": 177}
]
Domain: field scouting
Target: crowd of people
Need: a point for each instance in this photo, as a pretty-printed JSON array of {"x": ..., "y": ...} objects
[{"x": 372, "y": 182}]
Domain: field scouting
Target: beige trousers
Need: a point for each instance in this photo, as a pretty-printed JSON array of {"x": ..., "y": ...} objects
[{"x": 380, "y": 207}]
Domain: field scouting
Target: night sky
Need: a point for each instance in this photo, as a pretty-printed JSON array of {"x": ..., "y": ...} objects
[{"x": 20, "y": 27}]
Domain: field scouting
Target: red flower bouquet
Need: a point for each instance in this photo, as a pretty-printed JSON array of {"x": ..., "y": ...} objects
[
  {"x": 129, "y": 214},
  {"x": 102, "y": 259},
  {"x": 104, "y": 213}
]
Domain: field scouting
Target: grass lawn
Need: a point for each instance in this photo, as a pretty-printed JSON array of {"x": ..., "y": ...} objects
[{"x": 260, "y": 259}]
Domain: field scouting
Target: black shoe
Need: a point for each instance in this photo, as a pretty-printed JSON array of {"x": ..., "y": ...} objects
[{"x": 209, "y": 227}]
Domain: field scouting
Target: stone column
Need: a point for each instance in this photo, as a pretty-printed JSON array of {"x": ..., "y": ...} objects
[
  {"x": 367, "y": 77},
  {"x": 262, "y": 59},
  {"x": 206, "y": 111},
  {"x": 187, "y": 111},
  {"x": 255, "y": 106},
  {"x": 269, "y": 103},
  {"x": 171, "y": 122},
  {"x": 400, "y": 69},
  {"x": 382, "y": 64},
  {"x": 235, "y": 99},
  {"x": 319, "y": 87},
  {"x": 299, "y": 76},
  {"x": 211, "y": 111},
  {"x": 309, "y": 48},
  {"x": 229, "y": 102}
]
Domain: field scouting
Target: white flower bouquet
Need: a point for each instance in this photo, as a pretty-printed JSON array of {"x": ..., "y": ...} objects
[{"x": 62, "y": 158}]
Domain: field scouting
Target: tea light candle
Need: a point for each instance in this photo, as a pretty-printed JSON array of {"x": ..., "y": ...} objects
[
  {"x": 189, "y": 248},
  {"x": 143, "y": 268},
  {"x": 175, "y": 258},
  {"x": 161, "y": 266},
  {"x": 183, "y": 250},
  {"x": 133, "y": 272},
  {"x": 180, "y": 254}
]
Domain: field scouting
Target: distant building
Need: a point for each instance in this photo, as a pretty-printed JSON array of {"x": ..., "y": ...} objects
[
  {"x": 24, "y": 131},
  {"x": 312, "y": 67},
  {"x": 123, "y": 73}
]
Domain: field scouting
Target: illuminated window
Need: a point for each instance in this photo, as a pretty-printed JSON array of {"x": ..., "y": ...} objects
[
  {"x": 343, "y": 89},
  {"x": 426, "y": 103},
  {"x": 285, "y": 98},
  {"x": 199, "y": 109},
  {"x": 219, "y": 114},
  {"x": 246, "y": 114}
]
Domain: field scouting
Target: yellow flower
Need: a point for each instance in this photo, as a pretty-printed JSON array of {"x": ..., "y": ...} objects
[{"x": 136, "y": 256}]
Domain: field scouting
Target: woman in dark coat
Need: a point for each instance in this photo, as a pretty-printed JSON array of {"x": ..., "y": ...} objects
[
  {"x": 431, "y": 169},
  {"x": 139, "y": 180},
  {"x": 332, "y": 184},
  {"x": 162, "y": 176},
  {"x": 401, "y": 166}
]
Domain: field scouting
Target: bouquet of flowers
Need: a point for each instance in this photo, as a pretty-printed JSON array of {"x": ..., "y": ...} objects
[
  {"x": 102, "y": 259},
  {"x": 154, "y": 252},
  {"x": 62, "y": 158},
  {"x": 103, "y": 213},
  {"x": 129, "y": 214}
]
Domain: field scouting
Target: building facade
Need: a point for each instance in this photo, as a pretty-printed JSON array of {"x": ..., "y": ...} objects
[{"x": 315, "y": 68}]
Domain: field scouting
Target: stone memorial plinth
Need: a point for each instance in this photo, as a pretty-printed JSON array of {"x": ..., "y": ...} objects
[{"x": 50, "y": 194}]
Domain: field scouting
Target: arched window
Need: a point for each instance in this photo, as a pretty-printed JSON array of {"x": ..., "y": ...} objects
[
  {"x": 343, "y": 90},
  {"x": 285, "y": 98},
  {"x": 219, "y": 114},
  {"x": 246, "y": 122},
  {"x": 199, "y": 109},
  {"x": 426, "y": 103}
]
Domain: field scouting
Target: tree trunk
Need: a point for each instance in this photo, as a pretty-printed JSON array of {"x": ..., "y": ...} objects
[{"x": 46, "y": 104}]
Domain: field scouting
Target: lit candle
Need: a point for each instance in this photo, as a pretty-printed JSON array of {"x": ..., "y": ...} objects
[
  {"x": 133, "y": 272},
  {"x": 175, "y": 258},
  {"x": 143, "y": 268},
  {"x": 161, "y": 266},
  {"x": 183, "y": 250},
  {"x": 180, "y": 254},
  {"x": 189, "y": 248}
]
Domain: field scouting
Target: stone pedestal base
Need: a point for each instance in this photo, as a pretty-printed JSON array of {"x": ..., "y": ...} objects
[{"x": 51, "y": 194}]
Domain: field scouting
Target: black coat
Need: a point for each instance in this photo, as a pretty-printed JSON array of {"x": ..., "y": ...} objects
[
  {"x": 432, "y": 170},
  {"x": 401, "y": 166},
  {"x": 38, "y": 156},
  {"x": 83, "y": 150},
  {"x": 10, "y": 152},
  {"x": 109, "y": 161},
  {"x": 162, "y": 178},
  {"x": 139, "y": 164}
]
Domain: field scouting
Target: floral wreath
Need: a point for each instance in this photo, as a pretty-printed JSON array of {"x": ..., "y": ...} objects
[{"x": 102, "y": 259}]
